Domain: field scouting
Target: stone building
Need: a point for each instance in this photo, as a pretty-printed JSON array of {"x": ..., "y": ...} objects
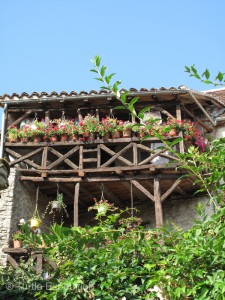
[{"x": 128, "y": 171}]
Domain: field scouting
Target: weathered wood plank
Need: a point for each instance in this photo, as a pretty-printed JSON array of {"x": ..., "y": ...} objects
[
  {"x": 98, "y": 156},
  {"x": 15, "y": 250},
  {"x": 197, "y": 120},
  {"x": 158, "y": 203},
  {"x": 80, "y": 118},
  {"x": 25, "y": 115},
  {"x": 81, "y": 155},
  {"x": 151, "y": 157},
  {"x": 39, "y": 263},
  {"x": 44, "y": 162},
  {"x": 64, "y": 157},
  {"x": 47, "y": 117},
  {"x": 135, "y": 154},
  {"x": 143, "y": 189},
  {"x": 90, "y": 160},
  {"x": 76, "y": 201},
  {"x": 116, "y": 155},
  {"x": 21, "y": 158},
  {"x": 12, "y": 262},
  {"x": 145, "y": 148},
  {"x": 170, "y": 190},
  {"x": 117, "y": 170},
  {"x": 67, "y": 161},
  {"x": 99, "y": 178},
  {"x": 90, "y": 150}
]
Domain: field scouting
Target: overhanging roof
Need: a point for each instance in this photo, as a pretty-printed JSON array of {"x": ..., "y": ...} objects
[{"x": 164, "y": 94}]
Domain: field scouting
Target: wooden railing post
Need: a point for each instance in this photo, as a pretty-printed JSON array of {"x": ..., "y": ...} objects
[
  {"x": 158, "y": 203},
  {"x": 76, "y": 200}
]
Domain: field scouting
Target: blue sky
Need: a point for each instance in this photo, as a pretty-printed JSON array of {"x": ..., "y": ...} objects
[{"x": 47, "y": 45}]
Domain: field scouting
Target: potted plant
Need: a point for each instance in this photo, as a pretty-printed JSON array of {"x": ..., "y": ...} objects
[
  {"x": 35, "y": 221},
  {"x": 24, "y": 134},
  {"x": 102, "y": 206},
  {"x": 56, "y": 205},
  {"x": 52, "y": 133},
  {"x": 12, "y": 134},
  {"x": 17, "y": 242},
  {"x": 127, "y": 129},
  {"x": 37, "y": 131},
  {"x": 117, "y": 129}
]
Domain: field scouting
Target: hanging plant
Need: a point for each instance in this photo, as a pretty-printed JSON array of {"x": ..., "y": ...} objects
[
  {"x": 35, "y": 221},
  {"x": 56, "y": 205},
  {"x": 102, "y": 206}
]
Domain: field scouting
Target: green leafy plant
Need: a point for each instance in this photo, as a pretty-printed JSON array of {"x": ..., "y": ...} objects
[
  {"x": 219, "y": 79},
  {"x": 56, "y": 205}
]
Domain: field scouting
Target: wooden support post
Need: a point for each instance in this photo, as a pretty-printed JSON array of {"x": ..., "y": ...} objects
[
  {"x": 178, "y": 113},
  {"x": 47, "y": 118},
  {"x": 98, "y": 156},
  {"x": 135, "y": 154},
  {"x": 158, "y": 204},
  {"x": 80, "y": 118},
  {"x": 39, "y": 265},
  {"x": 97, "y": 114},
  {"x": 81, "y": 162},
  {"x": 44, "y": 162},
  {"x": 76, "y": 199}
]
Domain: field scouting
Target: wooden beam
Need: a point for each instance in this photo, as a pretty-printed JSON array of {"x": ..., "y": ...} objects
[
  {"x": 202, "y": 108},
  {"x": 80, "y": 118},
  {"x": 179, "y": 117},
  {"x": 151, "y": 157},
  {"x": 70, "y": 195},
  {"x": 165, "y": 112},
  {"x": 116, "y": 155},
  {"x": 136, "y": 192},
  {"x": 158, "y": 203},
  {"x": 44, "y": 162},
  {"x": 19, "y": 156},
  {"x": 64, "y": 157},
  {"x": 67, "y": 161},
  {"x": 39, "y": 264},
  {"x": 47, "y": 117},
  {"x": 98, "y": 156},
  {"x": 81, "y": 155},
  {"x": 76, "y": 200},
  {"x": 135, "y": 154},
  {"x": 118, "y": 170},
  {"x": 197, "y": 120},
  {"x": 180, "y": 191},
  {"x": 143, "y": 189},
  {"x": 12, "y": 262},
  {"x": 99, "y": 178},
  {"x": 170, "y": 190},
  {"x": 26, "y": 114}
]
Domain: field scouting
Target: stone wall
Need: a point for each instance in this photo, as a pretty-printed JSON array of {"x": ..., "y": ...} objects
[
  {"x": 17, "y": 202},
  {"x": 180, "y": 212}
]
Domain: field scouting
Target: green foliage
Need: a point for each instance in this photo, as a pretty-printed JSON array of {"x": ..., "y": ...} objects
[
  {"x": 219, "y": 79},
  {"x": 117, "y": 259}
]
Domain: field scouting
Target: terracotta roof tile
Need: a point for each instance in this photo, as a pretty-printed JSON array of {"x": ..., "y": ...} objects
[{"x": 218, "y": 94}]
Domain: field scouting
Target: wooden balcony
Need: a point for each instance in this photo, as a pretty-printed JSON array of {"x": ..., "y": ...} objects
[{"x": 94, "y": 161}]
